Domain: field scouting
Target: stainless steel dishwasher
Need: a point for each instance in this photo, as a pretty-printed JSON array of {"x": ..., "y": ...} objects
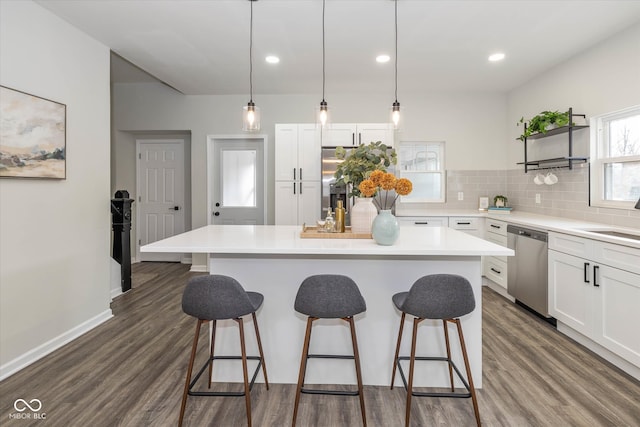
[{"x": 527, "y": 270}]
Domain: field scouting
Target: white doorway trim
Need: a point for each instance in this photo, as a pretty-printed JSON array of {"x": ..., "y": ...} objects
[{"x": 211, "y": 173}]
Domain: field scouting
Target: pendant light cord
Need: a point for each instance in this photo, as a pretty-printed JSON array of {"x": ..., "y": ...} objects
[
  {"x": 323, "y": 54},
  {"x": 251, "y": 53},
  {"x": 396, "y": 41}
]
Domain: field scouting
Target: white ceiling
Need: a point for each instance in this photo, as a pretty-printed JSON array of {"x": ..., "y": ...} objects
[{"x": 202, "y": 46}]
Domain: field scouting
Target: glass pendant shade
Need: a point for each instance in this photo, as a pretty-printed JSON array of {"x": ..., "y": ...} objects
[
  {"x": 395, "y": 115},
  {"x": 323, "y": 114},
  {"x": 250, "y": 117}
]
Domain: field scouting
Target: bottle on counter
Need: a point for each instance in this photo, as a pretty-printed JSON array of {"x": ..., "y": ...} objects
[
  {"x": 329, "y": 222},
  {"x": 340, "y": 217}
]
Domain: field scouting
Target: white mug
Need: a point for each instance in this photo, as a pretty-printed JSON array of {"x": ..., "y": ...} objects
[
  {"x": 539, "y": 179},
  {"x": 550, "y": 179}
]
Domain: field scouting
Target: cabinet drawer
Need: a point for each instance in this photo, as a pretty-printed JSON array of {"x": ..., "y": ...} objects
[
  {"x": 498, "y": 240},
  {"x": 464, "y": 223},
  {"x": 497, "y": 227},
  {"x": 617, "y": 256},
  {"x": 572, "y": 245},
  {"x": 425, "y": 221},
  {"x": 496, "y": 270}
]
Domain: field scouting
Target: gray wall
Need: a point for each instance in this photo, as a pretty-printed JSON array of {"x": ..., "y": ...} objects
[{"x": 54, "y": 253}]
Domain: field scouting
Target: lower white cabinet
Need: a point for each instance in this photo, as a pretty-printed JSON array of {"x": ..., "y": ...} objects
[
  {"x": 495, "y": 267},
  {"x": 595, "y": 298},
  {"x": 297, "y": 202},
  {"x": 473, "y": 225},
  {"x": 424, "y": 221}
]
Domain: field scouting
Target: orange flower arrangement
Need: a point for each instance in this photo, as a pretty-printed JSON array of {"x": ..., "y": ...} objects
[{"x": 379, "y": 180}]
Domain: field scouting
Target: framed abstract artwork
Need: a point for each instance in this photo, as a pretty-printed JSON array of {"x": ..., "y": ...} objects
[{"x": 32, "y": 136}]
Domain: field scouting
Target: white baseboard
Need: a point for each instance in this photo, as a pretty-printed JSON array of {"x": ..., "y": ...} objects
[
  {"x": 497, "y": 289},
  {"x": 115, "y": 293},
  {"x": 186, "y": 260},
  {"x": 42, "y": 350},
  {"x": 199, "y": 268},
  {"x": 609, "y": 356}
]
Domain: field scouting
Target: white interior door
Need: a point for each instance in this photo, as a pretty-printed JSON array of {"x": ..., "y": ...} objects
[
  {"x": 160, "y": 191},
  {"x": 237, "y": 180}
]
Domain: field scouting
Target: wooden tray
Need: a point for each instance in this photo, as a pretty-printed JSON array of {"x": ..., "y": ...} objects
[{"x": 313, "y": 233}]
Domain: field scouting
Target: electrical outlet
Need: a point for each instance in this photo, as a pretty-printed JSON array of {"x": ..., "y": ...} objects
[
  {"x": 460, "y": 195},
  {"x": 537, "y": 198}
]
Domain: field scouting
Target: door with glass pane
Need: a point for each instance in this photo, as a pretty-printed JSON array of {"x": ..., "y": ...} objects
[{"x": 238, "y": 177}]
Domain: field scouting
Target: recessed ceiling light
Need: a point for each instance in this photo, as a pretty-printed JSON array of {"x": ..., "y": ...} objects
[
  {"x": 496, "y": 57},
  {"x": 382, "y": 58},
  {"x": 271, "y": 59}
]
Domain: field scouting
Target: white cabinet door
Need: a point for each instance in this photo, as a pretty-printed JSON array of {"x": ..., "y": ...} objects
[
  {"x": 309, "y": 194},
  {"x": 373, "y": 132},
  {"x": 617, "y": 298},
  {"x": 339, "y": 135},
  {"x": 571, "y": 291},
  {"x": 286, "y": 145},
  {"x": 309, "y": 153},
  {"x": 286, "y": 199}
]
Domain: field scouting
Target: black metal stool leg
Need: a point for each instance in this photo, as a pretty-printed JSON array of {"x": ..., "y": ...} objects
[
  {"x": 472, "y": 389},
  {"x": 395, "y": 359},
  {"x": 356, "y": 356},
  {"x": 303, "y": 367},
  {"x": 446, "y": 340},
  {"x": 194, "y": 348},
  {"x": 213, "y": 343},
  {"x": 264, "y": 364},
  {"x": 247, "y": 391}
]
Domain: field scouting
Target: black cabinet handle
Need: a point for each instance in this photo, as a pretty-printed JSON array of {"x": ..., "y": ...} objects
[
  {"x": 301, "y": 174},
  {"x": 300, "y": 187},
  {"x": 294, "y": 174},
  {"x": 464, "y": 223},
  {"x": 421, "y": 223},
  {"x": 496, "y": 226},
  {"x": 496, "y": 271},
  {"x": 586, "y": 272},
  {"x": 595, "y": 275},
  {"x": 353, "y": 138},
  {"x": 294, "y": 188},
  {"x": 359, "y": 138}
]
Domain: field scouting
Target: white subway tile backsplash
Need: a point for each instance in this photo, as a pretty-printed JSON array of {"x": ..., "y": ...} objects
[{"x": 568, "y": 198}]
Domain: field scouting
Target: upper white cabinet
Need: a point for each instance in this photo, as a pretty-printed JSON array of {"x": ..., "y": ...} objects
[
  {"x": 354, "y": 134},
  {"x": 297, "y": 174},
  {"x": 298, "y": 152}
]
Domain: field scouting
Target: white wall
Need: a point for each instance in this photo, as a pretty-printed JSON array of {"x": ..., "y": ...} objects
[
  {"x": 54, "y": 251},
  {"x": 473, "y": 125},
  {"x": 602, "y": 79}
]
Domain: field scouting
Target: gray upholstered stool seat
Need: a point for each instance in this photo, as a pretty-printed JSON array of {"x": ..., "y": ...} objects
[
  {"x": 444, "y": 297},
  {"x": 213, "y": 298},
  {"x": 329, "y": 296}
]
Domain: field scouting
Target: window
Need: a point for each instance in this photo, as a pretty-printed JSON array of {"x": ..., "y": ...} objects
[
  {"x": 615, "y": 159},
  {"x": 423, "y": 164}
]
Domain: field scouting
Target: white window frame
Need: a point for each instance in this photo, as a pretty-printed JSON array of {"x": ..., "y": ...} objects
[
  {"x": 441, "y": 171},
  {"x": 599, "y": 159}
]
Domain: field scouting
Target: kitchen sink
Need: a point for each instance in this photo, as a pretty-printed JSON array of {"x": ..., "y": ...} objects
[{"x": 614, "y": 233}]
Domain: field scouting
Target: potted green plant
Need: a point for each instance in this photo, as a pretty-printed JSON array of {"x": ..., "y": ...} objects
[
  {"x": 500, "y": 201},
  {"x": 361, "y": 161},
  {"x": 542, "y": 122}
]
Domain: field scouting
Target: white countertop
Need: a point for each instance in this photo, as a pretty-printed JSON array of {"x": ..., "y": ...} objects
[
  {"x": 569, "y": 226},
  {"x": 285, "y": 240}
]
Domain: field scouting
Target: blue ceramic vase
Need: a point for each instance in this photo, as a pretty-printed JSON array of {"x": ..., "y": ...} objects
[{"x": 385, "y": 228}]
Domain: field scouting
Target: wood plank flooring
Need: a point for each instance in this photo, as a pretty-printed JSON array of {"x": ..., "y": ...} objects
[{"x": 130, "y": 372}]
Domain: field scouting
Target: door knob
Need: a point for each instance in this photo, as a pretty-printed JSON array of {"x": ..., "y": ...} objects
[
  {"x": 175, "y": 208},
  {"x": 216, "y": 214},
  {"x": 217, "y": 205}
]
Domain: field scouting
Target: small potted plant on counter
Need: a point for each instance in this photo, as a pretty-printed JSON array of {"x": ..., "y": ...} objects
[{"x": 500, "y": 201}]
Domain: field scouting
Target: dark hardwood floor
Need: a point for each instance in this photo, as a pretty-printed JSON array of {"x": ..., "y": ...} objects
[{"x": 130, "y": 372}]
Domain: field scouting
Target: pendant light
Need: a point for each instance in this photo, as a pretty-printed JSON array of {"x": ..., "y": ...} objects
[
  {"x": 395, "y": 108},
  {"x": 251, "y": 113},
  {"x": 323, "y": 113}
]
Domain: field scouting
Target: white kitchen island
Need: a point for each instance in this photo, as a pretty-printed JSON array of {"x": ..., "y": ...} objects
[{"x": 274, "y": 260}]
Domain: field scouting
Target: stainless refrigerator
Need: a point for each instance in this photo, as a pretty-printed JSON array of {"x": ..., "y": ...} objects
[{"x": 331, "y": 192}]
